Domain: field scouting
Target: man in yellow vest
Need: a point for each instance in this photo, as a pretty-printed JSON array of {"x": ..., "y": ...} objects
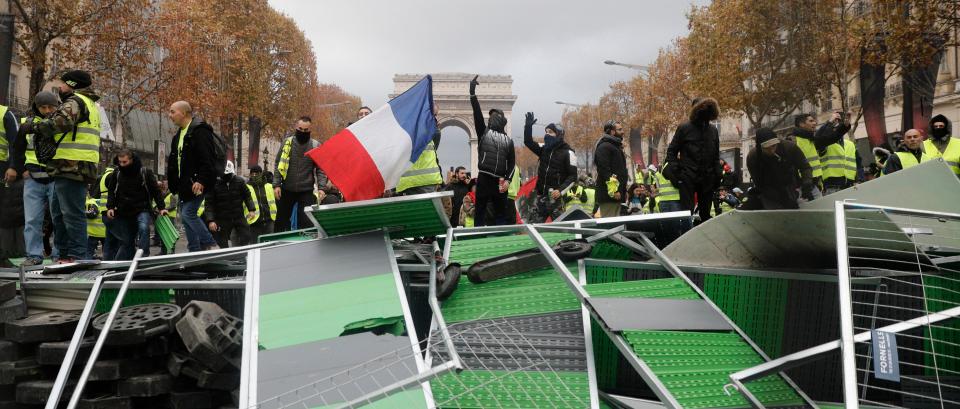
[
  {"x": 296, "y": 177},
  {"x": 191, "y": 171},
  {"x": 804, "y": 126},
  {"x": 942, "y": 144},
  {"x": 96, "y": 231},
  {"x": 76, "y": 125},
  {"x": 425, "y": 175},
  {"x": 839, "y": 159},
  {"x": 910, "y": 154},
  {"x": 37, "y": 185},
  {"x": 265, "y": 203}
]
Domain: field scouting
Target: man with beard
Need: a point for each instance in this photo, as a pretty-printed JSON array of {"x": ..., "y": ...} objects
[
  {"x": 942, "y": 144},
  {"x": 132, "y": 194},
  {"x": 693, "y": 158},
  {"x": 266, "y": 205},
  {"x": 459, "y": 184},
  {"x": 556, "y": 170},
  {"x": 611, "y": 184},
  {"x": 296, "y": 176},
  {"x": 495, "y": 161}
]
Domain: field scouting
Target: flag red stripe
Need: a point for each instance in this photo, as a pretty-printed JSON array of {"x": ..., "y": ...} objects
[{"x": 348, "y": 165}]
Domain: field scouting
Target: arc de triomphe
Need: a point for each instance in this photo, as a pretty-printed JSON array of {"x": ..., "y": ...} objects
[{"x": 451, "y": 93}]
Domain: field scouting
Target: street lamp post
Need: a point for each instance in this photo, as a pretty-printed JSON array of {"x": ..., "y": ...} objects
[{"x": 642, "y": 68}]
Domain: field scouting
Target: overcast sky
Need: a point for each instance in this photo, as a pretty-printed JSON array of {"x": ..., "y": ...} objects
[{"x": 553, "y": 49}]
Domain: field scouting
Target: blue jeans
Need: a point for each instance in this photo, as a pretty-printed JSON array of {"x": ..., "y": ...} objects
[
  {"x": 36, "y": 197},
  {"x": 198, "y": 237},
  {"x": 69, "y": 218},
  {"x": 130, "y": 233}
]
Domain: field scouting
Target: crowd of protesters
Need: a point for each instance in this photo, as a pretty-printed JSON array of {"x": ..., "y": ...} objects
[{"x": 53, "y": 187}]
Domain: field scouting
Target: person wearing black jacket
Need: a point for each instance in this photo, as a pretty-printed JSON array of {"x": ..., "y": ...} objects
[
  {"x": 556, "y": 170},
  {"x": 496, "y": 161},
  {"x": 693, "y": 158},
  {"x": 611, "y": 163},
  {"x": 227, "y": 209},
  {"x": 132, "y": 195},
  {"x": 191, "y": 171},
  {"x": 774, "y": 166}
]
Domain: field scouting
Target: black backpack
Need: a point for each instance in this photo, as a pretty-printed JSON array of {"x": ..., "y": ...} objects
[{"x": 219, "y": 154}]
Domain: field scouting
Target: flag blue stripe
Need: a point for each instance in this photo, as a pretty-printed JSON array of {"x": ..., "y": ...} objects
[{"x": 413, "y": 110}]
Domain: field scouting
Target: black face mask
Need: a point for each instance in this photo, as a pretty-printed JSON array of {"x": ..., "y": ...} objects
[
  {"x": 257, "y": 179},
  {"x": 302, "y": 136},
  {"x": 940, "y": 133}
]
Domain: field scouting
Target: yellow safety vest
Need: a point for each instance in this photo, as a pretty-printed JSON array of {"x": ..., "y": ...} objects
[
  {"x": 514, "y": 187},
  {"x": 271, "y": 202},
  {"x": 86, "y": 146},
  {"x": 95, "y": 227},
  {"x": 907, "y": 160},
  {"x": 724, "y": 208},
  {"x": 201, "y": 207},
  {"x": 166, "y": 204},
  {"x": 103, "y": 180},
  {"x": 665, "y": 190},
  {"x": 424, "y": 172},
  {"x": 4, "y": 147},
  {"x": 840, "y": 161},
  {"x": 951, "y": 155},
  {"x": 284, "y": 164},
  {"x": 30, "y": 154},
  {"x": 810, "y": 152}
]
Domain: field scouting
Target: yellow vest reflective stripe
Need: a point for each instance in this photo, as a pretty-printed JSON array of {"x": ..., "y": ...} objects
[
  {"x": 514, "y": 189},
  {"x": 591, "y": 200},
  {"x": 103, "y": 180},
  {"x": 665, "y": 190},
  {"x": 4, "y": 155},
  {"x": 95, "y": 227},
  {"x": 724, "y": 208},
  {"x": 256, "y": 207},
  {"x": 810, "y": 152},
  {"x": 86, "y": 146},
  {"x": 284, "y": 163},
  {"x": 166, "y": 204},
  {"x": 30, "y": 154},
  {"x": 907, "y": 160},
  {"x": 573, "y": 196},
  {"x": 271, "y": 200},
  {"x": 201, "y": 207},
  {"x": 424, "y": 172},
  {"x": 951, "y": 155},
  {"x": 840, "y": 161}
]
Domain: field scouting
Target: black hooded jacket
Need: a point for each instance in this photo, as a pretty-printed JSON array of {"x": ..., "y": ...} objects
[
  {"x": 610, "y": 161},
  {"x": 694, "y": 151},
  {"x": 131, "y": 189},
  {"x": 557, "y": 167},
  {"x": 198, "y": 157}
]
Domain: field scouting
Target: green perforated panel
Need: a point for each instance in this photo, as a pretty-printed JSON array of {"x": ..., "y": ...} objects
[
  {"x": 402, "y": 218},
  {"x": 694, "y": 366}
]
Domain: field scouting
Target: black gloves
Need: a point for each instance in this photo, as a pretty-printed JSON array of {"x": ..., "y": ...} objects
[
  {"x": 807, "y": 193},
  {"x": 26, "y": 128},
  {"x": 530, "y": 119},
  {"x": 473, "y": 85}
]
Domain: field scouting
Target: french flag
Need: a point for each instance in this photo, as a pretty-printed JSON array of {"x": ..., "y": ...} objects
[{"x": 370, "y": 156}]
